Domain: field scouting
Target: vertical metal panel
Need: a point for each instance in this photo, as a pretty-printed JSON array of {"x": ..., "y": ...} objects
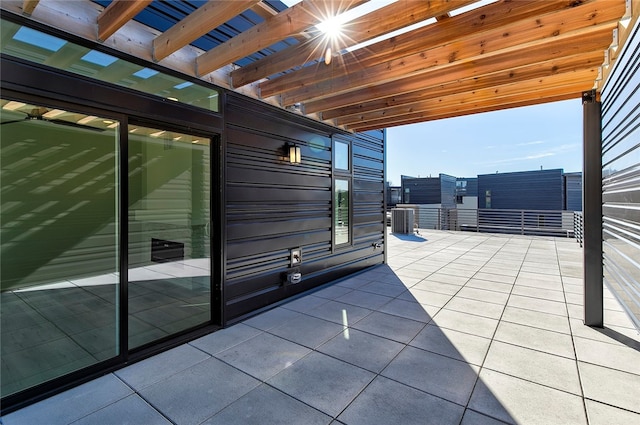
[
  {"x": 273, "y": 206},
  {"x": 447, "y": 191},
  {"x": 573, "y": 191},
  {"x": 592, "y": 212},
  {"x": 621, "y": 178}
]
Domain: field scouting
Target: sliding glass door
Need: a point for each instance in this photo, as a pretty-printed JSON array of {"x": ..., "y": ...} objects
[
  {"x": 169, "y": 252},
  {"x": 59, "y": 257},
  {"x": 65, "y": 204}
]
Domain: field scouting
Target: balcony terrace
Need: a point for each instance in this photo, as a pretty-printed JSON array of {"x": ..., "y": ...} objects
[{"x": 458, "y": 328}]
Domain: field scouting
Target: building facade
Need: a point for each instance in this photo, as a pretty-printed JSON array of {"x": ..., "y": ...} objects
[{"x": 132, "y": 222}]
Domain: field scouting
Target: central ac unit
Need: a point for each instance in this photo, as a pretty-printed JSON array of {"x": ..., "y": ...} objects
[{"x": 402, "y": 220}]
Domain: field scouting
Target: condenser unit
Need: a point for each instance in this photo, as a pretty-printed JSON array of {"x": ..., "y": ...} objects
[{"x": 402, "y": 220}]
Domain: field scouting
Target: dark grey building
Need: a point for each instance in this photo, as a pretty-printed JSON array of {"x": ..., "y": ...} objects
[
  {"x": 429, "y": 190},
  {"x": 523, "y": 190}
]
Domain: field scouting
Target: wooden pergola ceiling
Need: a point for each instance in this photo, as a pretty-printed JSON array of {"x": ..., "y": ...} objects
[{"x": 499, "y": 55}]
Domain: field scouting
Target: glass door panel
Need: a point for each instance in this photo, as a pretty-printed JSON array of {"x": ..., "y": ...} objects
[
  {"x": 169, "y": 224},
  {"x": 59, "y": 242}
]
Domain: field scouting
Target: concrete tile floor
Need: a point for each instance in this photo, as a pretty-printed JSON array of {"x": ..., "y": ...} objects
[{"x": 458, "y": 328}]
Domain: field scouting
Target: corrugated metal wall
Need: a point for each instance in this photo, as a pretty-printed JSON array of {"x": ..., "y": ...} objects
[
  {"x": 273, "y": 206},
  {"x": 526, "y": 190},
  {"x": 430, "y": 190},
  {"x": 423, "y": 190},
  {"x": 621, "y": 177}
]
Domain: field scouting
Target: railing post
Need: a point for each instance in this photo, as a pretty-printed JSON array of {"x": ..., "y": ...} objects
[
  {"x": 522, "y": 222},
  {"x": 592, "y": 210}
]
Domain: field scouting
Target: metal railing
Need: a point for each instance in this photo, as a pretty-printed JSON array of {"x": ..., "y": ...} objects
[
  {"x": 523, "y": 222},
  {"x": 577, "y": 226}
]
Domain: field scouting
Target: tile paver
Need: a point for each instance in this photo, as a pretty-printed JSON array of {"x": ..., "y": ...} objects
[{"x": 458, "y": 328}]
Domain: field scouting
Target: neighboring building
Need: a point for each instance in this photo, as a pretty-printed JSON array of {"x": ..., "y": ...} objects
[
  {"x": 523, "y": 190},
  {"x": 439, "y": 190}
]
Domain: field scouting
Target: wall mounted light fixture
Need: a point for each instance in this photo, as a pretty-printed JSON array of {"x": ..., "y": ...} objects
[{"x": 294, "y": 153}]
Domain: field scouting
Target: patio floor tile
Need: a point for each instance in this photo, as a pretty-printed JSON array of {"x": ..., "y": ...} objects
[
  {"x": 386, "y": 402},
  {"x": 364, "y": 299},
  {"x": 390, "y": 326},
  {"x": 558, "y": 372},
  {"x": 265, "y": 405},
  {"x": 355, "y": 347},
  {"x": 157, "y": 368},
  {"x": 517, "y": 401},
  {"x": 72, "y": 405},
  {"x": 536, "y": 339},
  {"x": 129, "y": 410},
  {"x": 409, "y": 310},
  {"x": 610, "y": 386},
  {"x": 272, "y": 318},
  {"x": 536, "y": 319},
  {"x": 463, "y": 322},
  {"x": 457, "y": 345},
  {"x": 614, "y": 356},
  {"x": 483, "y": 295},
  {"x": 191, "y": 398},
  {"x": 433, "y": 373},
  {"x": 602, "y": 414},
  {"x": 537, "y": 304},
  {"x": 308, "y": 331},
  {"x": 479, "y": 308},
  {"x": 263, "y": 356},
  {"x": 323, "y": 382},
  {"x": 341, "y": 313},
  {"x": 386, "y": 346}
]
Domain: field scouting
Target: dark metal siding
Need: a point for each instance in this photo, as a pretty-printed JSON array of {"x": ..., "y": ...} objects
[
  {"x": 429, "y": 190},
  {"x": 621, "y": 177},
  {"x": 573, "y": 191},
  {"x": 273, "y": 206},
  {"x": 421, "y": 190},
  {"x": 526, "y": 190}
]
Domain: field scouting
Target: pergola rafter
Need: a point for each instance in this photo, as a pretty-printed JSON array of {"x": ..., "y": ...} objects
[{"x": 505, "y": 54}]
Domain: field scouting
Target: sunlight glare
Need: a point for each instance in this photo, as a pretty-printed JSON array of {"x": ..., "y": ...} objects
[{"x": 331, "y": 27}]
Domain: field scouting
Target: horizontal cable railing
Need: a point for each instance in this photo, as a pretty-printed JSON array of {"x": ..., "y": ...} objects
[{"x": 523, "y": 222}]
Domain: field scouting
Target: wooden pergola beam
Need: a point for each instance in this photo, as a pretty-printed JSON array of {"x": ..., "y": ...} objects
[
  {"x": 518, "y": 100},
  {"x": 285, "y": 24},
  {"x": 204, "y": 19},
  {"x": 28, "y": 6},
  {"x": 550, "y": 84},
  {"x": 510, "y": 61},
  {"x": 415, "y": 47},
  {"x": 118, "y": 13},
  {"x": 590, "y": 60},
  {"x": 382, "y": 21},
  {"x": 539, "y": 46},
  {"x": 425, "y": 117}
]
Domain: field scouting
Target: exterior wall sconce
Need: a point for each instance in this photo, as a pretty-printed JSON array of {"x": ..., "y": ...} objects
[{"x": 294, "y": 153}]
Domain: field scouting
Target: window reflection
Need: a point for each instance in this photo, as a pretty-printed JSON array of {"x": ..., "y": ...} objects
[
  {"x": 169, "y": 232},
  {"x": 59, "y": 242},
  {"x": 341, "y": 212}
]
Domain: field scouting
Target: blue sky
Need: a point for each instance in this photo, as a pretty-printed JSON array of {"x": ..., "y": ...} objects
[{"x": 518, "y": 139}]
